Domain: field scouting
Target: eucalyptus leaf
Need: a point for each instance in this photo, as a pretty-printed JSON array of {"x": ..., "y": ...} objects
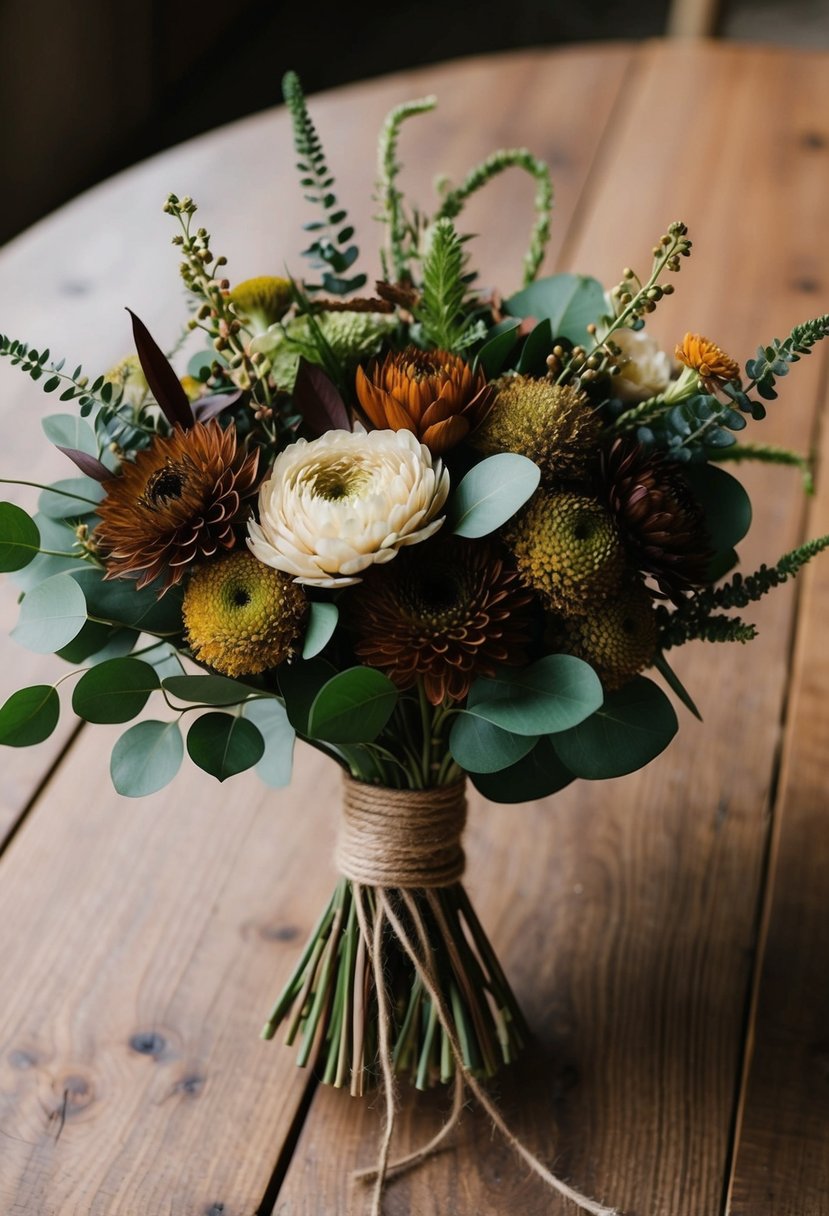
[
  {"x": 70, "y": 431},
  {"x": 725, "y": 502},
  {"x": 51, "y": 615},
  {"x": 19, "y": 538},
  {"x": 299, "y": 684},
  {"x": 570, "y": 302},
  {"x": 29, "y": 716},
  {"x": 95, "y": 643},
  {"x": 56, "y": 535},
  {"x": 146, "y": 758},
  {"x": 353, "y": 706},
  {"x": 491, "y": 492},
  {"x": 119, "y": 600},
  {"x": 223, "y": 745},
  {"x": 270, "y": 717},
  {"x": 114, "y": 691},
  {"x": 481, "y": 747},
  {"x": 538, "y": 775},
  {"x": 501, "y": 340},
  {"x": 539, "y": 344},
  {"x": 208, "y": 689},
  {"x": 70, "y": 498},
  {"x": 322, "y": 621},
  {"x": 634, "y": 725},
  {"x": 554, "y": 694}
]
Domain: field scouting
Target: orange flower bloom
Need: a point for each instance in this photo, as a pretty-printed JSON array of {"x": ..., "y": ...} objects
[
  {"x": 430, "y": 392},
  {"x": 712, "y": 365}
]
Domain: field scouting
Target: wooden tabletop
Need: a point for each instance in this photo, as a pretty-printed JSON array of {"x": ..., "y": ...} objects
[{"x": 665, "y": 932}]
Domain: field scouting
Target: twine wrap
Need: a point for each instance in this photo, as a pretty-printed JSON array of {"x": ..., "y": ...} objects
[{"x": 406, "y": 839}]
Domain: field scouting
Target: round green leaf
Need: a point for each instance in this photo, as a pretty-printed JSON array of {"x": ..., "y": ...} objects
[
  {"x": 538, "y": 775},
  {"x": 481, "y": 747},
  {"x": 19, "y": 538},
  {"x": 269, "y": 716},
  {"x": 207, "y": 690},
  {"x": 114, "y": 691},
  {"x": 120, "y": 601},
  {"x": 353, "y": 707},
  {"x": 491, "y": 493},
  {"x": 725, "y": 502},
  {"x": 224, "y": 745},
  {"x": 554, "y": 694},
  {"x": 146, "y": 758},
  {"x": 71, "y": 498},
  {"x": 299, "y": 684},
  {"x": 322, "y": 621},
  {"x": 29, "y": 716},
  {"x": 57, "y": 535},
  {"x": 570, "y": 302},
  {"x": 539, "y": 343},
  {"x": 51, "y": 615},
  {"x": 70, "y": 431},
  {"x": 634, "y": 725},
  {"x": 496, "y": 350}
]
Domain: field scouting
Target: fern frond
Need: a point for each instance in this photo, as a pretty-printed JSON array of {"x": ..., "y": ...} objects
[
  {"x": 401, "y": 232},
  {"x": 766, "y": 454},
  {"x": 442, "y": 308}
]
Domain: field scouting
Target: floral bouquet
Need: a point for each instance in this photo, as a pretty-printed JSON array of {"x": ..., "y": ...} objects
[{"x": 435, "y": 532}]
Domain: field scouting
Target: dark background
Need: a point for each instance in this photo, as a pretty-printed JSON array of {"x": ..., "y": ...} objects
[{"x": 88, "y": 87}]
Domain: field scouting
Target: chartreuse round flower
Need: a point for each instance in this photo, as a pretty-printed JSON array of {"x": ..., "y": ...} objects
[
  {"x": 352, "y": 336},
  {"x": 617, "y": 637},
  {"x": 555, "y": 425},
  {"x": 241, "y": 616},
  {"x": 262, "y": 301},
  {"x": 567, "y": 547}
]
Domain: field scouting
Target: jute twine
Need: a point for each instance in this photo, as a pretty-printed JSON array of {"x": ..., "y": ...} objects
[{"x": 398, "y": 841}]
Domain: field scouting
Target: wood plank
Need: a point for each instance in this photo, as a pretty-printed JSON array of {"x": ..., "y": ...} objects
[
  {"x": 178, "y": 915},
  {"x": 74, "y": 273},
  {"x": 625, "y": 912},
  {"x": 781, "y": 1162}
]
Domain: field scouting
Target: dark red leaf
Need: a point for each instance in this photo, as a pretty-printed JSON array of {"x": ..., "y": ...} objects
[
  {"x": 90, "y": 465},
  {"x": 214, "y": 404},
  {"x": 318, "y": 400},
  {"x": 161, "y": 377}
]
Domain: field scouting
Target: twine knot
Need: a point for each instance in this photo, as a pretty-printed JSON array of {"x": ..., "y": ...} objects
[{"x": 401, "y": 838}]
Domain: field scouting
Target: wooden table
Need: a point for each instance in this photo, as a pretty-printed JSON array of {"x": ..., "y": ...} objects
[{"x": 666, "y": 932}]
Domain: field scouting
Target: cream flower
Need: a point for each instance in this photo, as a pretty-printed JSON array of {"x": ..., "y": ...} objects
[
  {"x": 334, "y": 506},
  {"x": 646, "y": 368}
]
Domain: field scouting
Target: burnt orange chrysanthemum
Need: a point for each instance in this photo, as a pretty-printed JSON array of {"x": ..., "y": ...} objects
[
  {"x": 443, "y": 612},
  {"x": 176, "y": 502},
  {"x": 712, "y": 365},
  {"x": 431, "y": 392}
]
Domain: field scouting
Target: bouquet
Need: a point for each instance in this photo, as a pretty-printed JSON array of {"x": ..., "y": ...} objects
[{"x": 438, "y": 533}]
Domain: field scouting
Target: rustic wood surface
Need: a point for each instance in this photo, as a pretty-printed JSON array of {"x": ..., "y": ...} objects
[{"x": 665, "y": 932}]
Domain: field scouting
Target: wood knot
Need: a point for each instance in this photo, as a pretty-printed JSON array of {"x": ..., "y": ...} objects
[
  {"x": 215, "y": 1209},
  {"x": 148, "y": 1043},
  {"x": 22, "y": 1060},
  {"x": 813, "y": 140},
  {"x": 191, "y": 1085}
]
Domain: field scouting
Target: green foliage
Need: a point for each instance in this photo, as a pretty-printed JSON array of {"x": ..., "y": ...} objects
[
  {"x": 322, "y": 621},
  {"x": 352, "y": 707},
  {"x": 700, "y": 615},
  {"x": 538, "y": 775},
  {"x": 773, "y": 360},
  {"x": 69, "y": 431},
  {"x": 402, "y": 233},
  {"x": 224, "y": 745},
  {"x": 331, "y": 245},
  {"x": 443, "y": 310},
  {"x": 553, "y": 694},
  {"x": 634, "y": 725},
  {"x": 119, "y": 602},
  {"x": 36, "y": 364},
  {"x": 146, "y": 758},
  {"x": 727, "y": 509},
  {"x": 208, "y": 690},
  {"x": 479, "y": 746},
  {"x": 114, "y": 691},
  {"x": 299, "y": 684},
  {"x": 29, "y": 716},
  {"x": 501, "y": 341},
  {"x": 51, "y": 615},
  {"x": 491, "y": 492},
  {"x": 765, "y": 453},
  {"x": 269, "y": 716},
  {"x": 71, "y": 498},
  {"x": 19, "y": 538},
  {"x": 506, "y": 158},
  {"x": 570, "y": 302}
]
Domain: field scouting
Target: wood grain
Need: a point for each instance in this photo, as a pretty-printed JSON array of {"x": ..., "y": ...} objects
[
  {"x": 781, "y": 1164},
  {"x": 74, "y": 273},
  {"x": 176, "y": 916},
  {"x": 626, "y": 912}
]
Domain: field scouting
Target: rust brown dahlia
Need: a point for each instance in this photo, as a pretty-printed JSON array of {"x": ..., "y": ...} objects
[
  {"x": 443, "y": 612},
  {"x": 713, "y": 366},
  {"x": 175, "y": 503},
  {"x": 430, "y": 392},
  {"x": 659, "y": 517}
]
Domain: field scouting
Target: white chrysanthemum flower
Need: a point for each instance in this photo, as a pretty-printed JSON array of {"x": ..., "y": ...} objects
[
  {"x": 646, "y": 370},
  {"x": 334, "y": 506}
]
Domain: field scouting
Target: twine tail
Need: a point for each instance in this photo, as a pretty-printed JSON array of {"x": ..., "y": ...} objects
[
  {"x": 426, "y": 973},
  {"x": 373, "y": 935},
  {"x": 419, "y": 1155}
]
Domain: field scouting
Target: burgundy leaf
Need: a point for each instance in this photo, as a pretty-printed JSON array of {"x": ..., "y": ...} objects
[
  {"x": 318, "y": 400},
  {"x": 90, "y": 465},
  {"x": 161, "y": 377},
  {"x": 213, "y": 404}
]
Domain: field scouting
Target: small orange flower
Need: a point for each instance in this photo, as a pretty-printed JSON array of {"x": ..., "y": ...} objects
[
  {"x": 430, "y": 392},
  {"x": 712, "y": 365}
]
